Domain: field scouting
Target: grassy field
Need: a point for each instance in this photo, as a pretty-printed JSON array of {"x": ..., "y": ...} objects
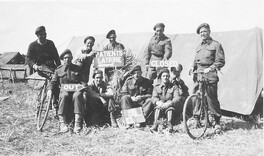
[{"x": 18, "y": 135}]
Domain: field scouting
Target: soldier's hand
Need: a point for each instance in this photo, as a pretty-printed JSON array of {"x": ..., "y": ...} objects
[
  {"x": 207, "y": 70},
  {"x": 190, "y": 70},
  {"x": 146, "y": 67},
  {"x": 35, "y": 67},
  {"x": 133, "y": 98},
  {"x": 159, "y": 103}
]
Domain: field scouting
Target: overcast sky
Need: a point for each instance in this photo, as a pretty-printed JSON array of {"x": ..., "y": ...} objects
[{"x": 64, "y": 19}]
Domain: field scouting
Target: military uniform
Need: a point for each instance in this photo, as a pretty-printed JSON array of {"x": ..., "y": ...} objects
[
  {"x": 183, "y": 94},
  {"x": 86, "y": 63},
  {"x": 166, "y": 93},
  {"x": 69, "y": 101},
  {"x": 159, "y": 48},
  {"x": 116, "y": 46},
  {"x": 133, "y": 87},
  {"x": 210, "y": 54}
]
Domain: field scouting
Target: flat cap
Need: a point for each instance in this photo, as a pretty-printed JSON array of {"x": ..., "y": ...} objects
[
  {"x": 163, "y": 70},
  {"x": 66, "y": 51},
  {"x": 202, "y": 25},
  {"x": 89, "y": 37},
  {"x": 110, "y": 33},
  {"x": 158, "y": 25},
  {"x": 40, "y": 29},
  {"x": 97, "y": 72}
]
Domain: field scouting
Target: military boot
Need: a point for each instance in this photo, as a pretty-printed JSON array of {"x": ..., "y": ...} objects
[
  {"x": 78, "y": 123},
  {"x": 169, "y": 118},
  {"x": 113, "y": 120},
  {"x": 63, "y": 124},
  {"x": 156, "y": 117}
]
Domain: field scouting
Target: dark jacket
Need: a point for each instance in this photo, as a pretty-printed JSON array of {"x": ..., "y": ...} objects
[{"x": 46, "y": 54}]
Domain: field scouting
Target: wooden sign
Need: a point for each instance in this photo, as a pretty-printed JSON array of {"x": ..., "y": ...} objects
[
  {"x": 109, "y": 59},
  {"x": 71, "y": 87},
  {"x": 133, "y": 115}
]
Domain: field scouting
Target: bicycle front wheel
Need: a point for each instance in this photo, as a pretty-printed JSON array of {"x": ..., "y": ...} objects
[
  {"x": 43, "y": 109},
  {"x": 195, "y": 116}
]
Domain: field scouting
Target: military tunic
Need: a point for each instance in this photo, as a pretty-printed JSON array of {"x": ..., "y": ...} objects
[
  {"x": 210, "y": 53},
  {"x": 159, "y": 48},
  {"x": 133, "y": 87},
  {"x": 86, "y": 63},
  {"x": 69, "y": 102},
  {"x": 165, "y": 93}
]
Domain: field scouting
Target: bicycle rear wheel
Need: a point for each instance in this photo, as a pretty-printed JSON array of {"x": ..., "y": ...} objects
[
  {"x": 43, "y": 109},
  {"x": 195, "y": 116}
]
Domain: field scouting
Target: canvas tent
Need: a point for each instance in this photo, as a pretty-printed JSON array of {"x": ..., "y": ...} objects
[{"x": 241, "y": 81}]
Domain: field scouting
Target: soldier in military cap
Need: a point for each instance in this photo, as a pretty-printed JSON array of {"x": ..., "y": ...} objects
[
  {"x": 159, "y": 48},
  {"x": 85, "y": 55},
  {"x": 209, "y": 58},
  {"x": 101, "y": 100},
  {"x": 112, "y": 46},
  {"x": 137, "y": 92},
  {"x": 183, "y": 89},
  {"x": 42, "y": 52},
  {"x": 69, "y": 102},
  {"x": 165, "y": 96}
]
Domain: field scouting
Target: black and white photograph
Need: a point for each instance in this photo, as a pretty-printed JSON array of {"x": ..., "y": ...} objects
[{"x": 131, "y": 77}]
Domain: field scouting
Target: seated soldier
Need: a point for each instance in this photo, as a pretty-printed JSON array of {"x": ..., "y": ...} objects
[
  {"x": 102, "y": 100},
  {"x": 137, "y": 92},
  {"x": 183, "y": 89},
  {"x": 165, "y": 96},
  {"x": 69, "y": 102}
]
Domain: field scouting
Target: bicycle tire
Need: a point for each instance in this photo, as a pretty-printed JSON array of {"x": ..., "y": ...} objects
[
  {"x": 195, "y": 129},
  {"x": 43, "y": 109}
]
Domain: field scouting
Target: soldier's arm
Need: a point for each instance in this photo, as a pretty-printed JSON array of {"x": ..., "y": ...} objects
[
  {"x": 155, "y": 96},
  {"x": 219, "y": 57},
  {"x": 168, "y": 50},
  {"x": 148, "y": 54},
  {"x": 30, "y": 55},
  {"x": 55, "y": 55},
  {"x": 54, "y": 83},
  {"x": 176, "y": 96}
]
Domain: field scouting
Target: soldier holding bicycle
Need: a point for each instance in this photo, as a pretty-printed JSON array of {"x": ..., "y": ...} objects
[
  {"x": 209, "y": 58},
  {"x": 42, "y": 52}
]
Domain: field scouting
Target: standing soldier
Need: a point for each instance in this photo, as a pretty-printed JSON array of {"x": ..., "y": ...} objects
[
  {"x": 209, "y": 58},
  {"x": 183, "y": 89},
  {"x": 42, "y": 52},
  {"x": 112, "y": 46},
  {"x": 85, "y": 56},
  {"x": 69, "y": 102},
  {"x": 159, "y": 49},
  {"x": 137, "y": 91}
]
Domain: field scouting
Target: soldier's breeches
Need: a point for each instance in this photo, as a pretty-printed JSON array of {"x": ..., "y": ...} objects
[
  {"x": 126, "y": 102},
  {"x": 71, "y": 103}
]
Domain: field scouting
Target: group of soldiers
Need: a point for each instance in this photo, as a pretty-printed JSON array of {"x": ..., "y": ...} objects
[{"x": 162, "y": 91}]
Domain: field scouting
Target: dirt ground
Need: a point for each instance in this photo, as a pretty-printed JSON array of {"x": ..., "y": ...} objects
[{"x": 18, "y": 135}]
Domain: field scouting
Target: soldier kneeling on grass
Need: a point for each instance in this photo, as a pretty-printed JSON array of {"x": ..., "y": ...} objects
[
  {"x": 165, "y": 97},
  {"x": 71, "y": 103},
  {"x": 101, "y": 100}
]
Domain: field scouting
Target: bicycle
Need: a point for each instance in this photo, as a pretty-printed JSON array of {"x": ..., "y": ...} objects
[
  {"x": 44, "y": 104},
  {"x": 195, "y": 110}
]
